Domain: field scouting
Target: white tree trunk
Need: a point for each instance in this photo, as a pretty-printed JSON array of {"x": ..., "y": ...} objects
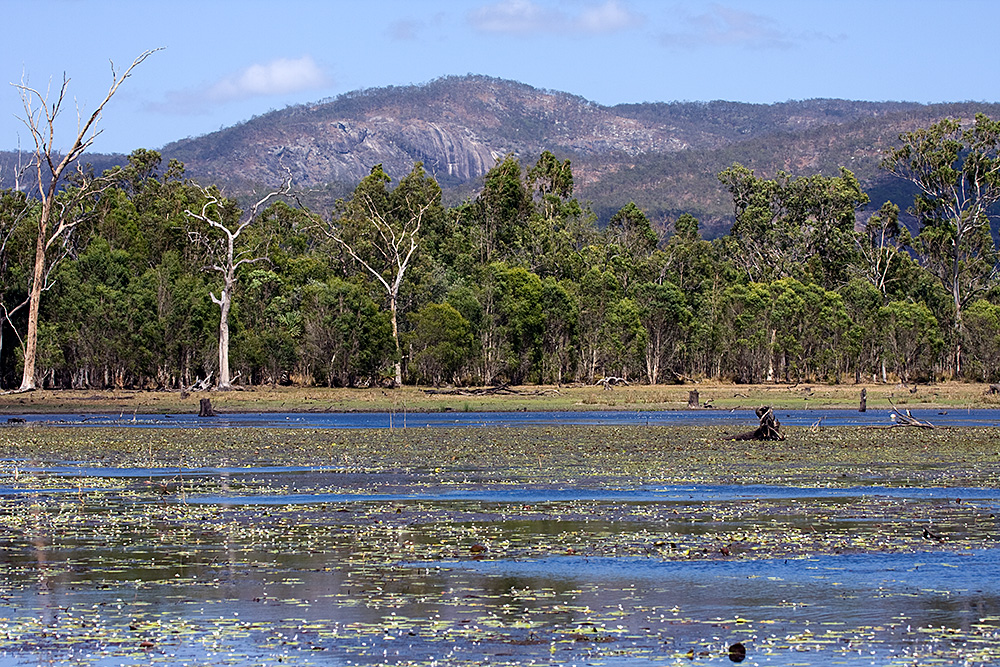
[
  {"x": 398, "y": 382},
  {"x": 37, "y": 280},
  {"x": 224, "y": 304}
]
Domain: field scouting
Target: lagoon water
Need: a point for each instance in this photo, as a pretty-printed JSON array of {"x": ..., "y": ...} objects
[
  {"x": 330, "y": 565},
  {"x": 333, "y": 420}
]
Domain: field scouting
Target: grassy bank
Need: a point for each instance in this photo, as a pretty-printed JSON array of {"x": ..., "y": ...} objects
[{"x": 530, "y": 398}]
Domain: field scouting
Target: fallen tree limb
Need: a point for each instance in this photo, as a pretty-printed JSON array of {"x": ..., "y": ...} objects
[
  {"x": 768, "y": 429},
  {"x": 201, "y": 385},
  {"x": 611, "y": 381},
  {"x": 906, "y": 419},
  {"x": 504, "y": 389}
]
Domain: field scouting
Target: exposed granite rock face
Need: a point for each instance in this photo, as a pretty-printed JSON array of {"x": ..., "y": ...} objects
[
  {"x": 346, "y": 150},
  {"x": 457, "y": 127},
  {"x": 662, "y": 156}
]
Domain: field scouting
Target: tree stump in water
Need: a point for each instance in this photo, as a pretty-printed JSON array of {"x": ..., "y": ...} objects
[
  {"x": 768, "y": 429},
  {"x": 206, "y": 408},
  {"x": 693, "y": 399}
]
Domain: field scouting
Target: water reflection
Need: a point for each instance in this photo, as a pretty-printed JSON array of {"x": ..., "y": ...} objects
[{"x": 130, "y": 574}]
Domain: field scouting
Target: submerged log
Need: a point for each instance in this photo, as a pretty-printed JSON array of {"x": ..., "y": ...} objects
[{"x": 768, "y": 429}]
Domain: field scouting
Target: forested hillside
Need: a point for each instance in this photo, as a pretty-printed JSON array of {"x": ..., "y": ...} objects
[
  {"x": 662, "y": 156},
  {"x": 518, "y": 282}
]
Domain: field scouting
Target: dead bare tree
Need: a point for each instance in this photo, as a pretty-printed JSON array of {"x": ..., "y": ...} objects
[
  {"x": 392, "y": 231},
  {"x": 225, "y": 257},
  {"x": 57, "y": 217}
]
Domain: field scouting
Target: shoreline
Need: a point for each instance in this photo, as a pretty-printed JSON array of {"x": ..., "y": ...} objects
[{"x": 530, "y": 398}]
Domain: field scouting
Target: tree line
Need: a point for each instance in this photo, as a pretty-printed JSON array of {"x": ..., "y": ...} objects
[{"x": 154, "y": 281}]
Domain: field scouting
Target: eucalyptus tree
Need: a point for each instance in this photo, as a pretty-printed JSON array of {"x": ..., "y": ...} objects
[
  {"x": 346, "y": 334},
  {"x": 559, "y": 330},
  {"x": 380, "y": 230},
  {"x": 956, "y": 168},
  {"x": 442, "y": 343},
  {"x": 879, "y": 246},
  {"x": 510, "y": 322},
  {"x": 912, "y": 338},
  {"x": 16, "y": 209},
  {"x": 552, "y": 180},
  {"x": 501, "y": 212},
  {"x": 687, "y": 257},
  {"x": 59, "y": 212},
  {"x": 793, "y": 227},
  {"x": 220, "y": 238},
  {"x": 667, "y": 319},
  {"x": 631, "y": 230},
  {"x": 598, "y": 293},
  {"x": 982, "y": 339}
]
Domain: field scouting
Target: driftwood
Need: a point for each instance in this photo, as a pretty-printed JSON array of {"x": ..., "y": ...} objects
[
  {"x": 504, "y": 389},
  {"x": 200, "y": 385},
  {"x": 611, "y": 381},
  {"x": 904, "y": 418},
  {"x": 768, "y": 429},
  {"x": 681, "y": 378}
]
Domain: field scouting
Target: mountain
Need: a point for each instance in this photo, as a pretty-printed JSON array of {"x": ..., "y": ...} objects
[{"x": 663, "y": 156}]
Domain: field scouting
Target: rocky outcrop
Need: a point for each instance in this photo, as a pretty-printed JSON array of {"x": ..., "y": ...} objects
[{"x": 662, "y": 156}]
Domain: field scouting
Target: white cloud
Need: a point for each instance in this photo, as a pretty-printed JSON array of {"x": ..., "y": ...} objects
[
  {"x": 526, "y": 17},
  {"x": 721, "y": 25},
  {"x": 512, "y": 16},
  {"x": 277, "y": 77},
  {"x": 609, "y": 17}
]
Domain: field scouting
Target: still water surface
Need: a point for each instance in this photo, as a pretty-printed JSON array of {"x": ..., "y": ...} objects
[
  {"x": 330, "y": 420},
  {"x": 317, "y": 566},
  {"x": 326, "y": 565}
]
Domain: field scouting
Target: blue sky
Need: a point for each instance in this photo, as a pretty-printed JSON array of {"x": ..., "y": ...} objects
[{"x": 224, "y": 62}]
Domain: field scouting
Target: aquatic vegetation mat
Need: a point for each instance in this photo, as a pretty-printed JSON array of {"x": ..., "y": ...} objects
[{"x": 570, "y": 545}]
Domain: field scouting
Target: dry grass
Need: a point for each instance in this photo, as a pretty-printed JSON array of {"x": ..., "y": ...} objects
[{"x": 532, "y": 398}]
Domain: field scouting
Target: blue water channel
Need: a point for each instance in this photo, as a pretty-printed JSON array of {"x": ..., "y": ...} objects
[
  {"x": 330, "y": 565},
  {"x": 354, "y": 420}
]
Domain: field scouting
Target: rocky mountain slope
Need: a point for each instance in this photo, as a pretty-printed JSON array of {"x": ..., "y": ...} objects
[{"x": 663, "y": 156}]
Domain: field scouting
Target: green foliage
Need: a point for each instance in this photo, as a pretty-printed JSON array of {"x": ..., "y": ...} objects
[
  {"x": 912, "y": 339},
  {"x": 630, "y": 229},
  {"x": 440, "y": 343},
  {"x": 794, "y": 227},
  {"x": 346, "y": 337},
  {"x": 514, "y": 285},
  {"x": 982, "y": 340},
  {"x": 956, "y": 169}
]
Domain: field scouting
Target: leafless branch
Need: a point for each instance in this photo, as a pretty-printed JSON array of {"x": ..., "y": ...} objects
[{"x": 41, "y": 120}]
